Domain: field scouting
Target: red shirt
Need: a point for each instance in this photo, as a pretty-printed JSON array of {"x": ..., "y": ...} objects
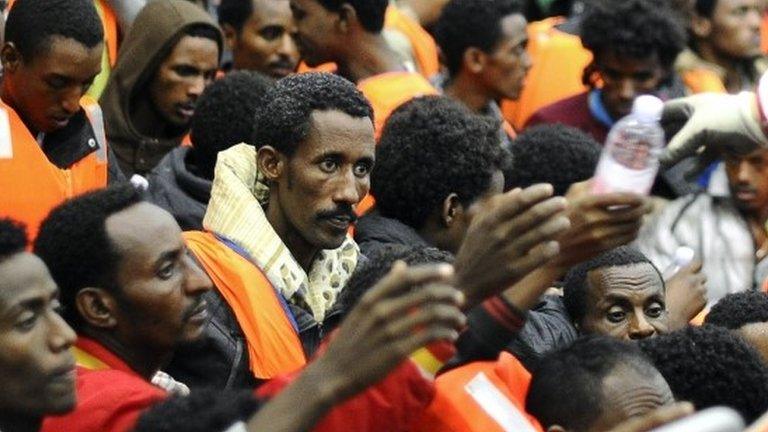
[
  {"x": 573, "y": 111},
  {"x": 110, "y": 395}
]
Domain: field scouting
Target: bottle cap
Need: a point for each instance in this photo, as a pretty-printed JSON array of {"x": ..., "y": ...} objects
[
  {"x": 683, "y": 256},
  {"x": 648, "y": 108}
]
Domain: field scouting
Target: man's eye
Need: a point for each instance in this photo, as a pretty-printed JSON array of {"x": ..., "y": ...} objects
[
  {"x": 362, "y": 169},
  {"x": 271, "y": 33},
  {"x": 186, "y": 71},
  {"x": 56, "y": 83},
  {"x": 167, "y": 271},
  {"x": 655, "y": 310},
  {"x": 328, "y": 165},
  {"x": 616, "y": 315},
  {"x": 26, "y": 322}
]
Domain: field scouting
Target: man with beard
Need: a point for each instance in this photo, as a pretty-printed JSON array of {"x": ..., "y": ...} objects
[
  {"x": 276, "y": 243},
  {"x": 166, "y": 61}
]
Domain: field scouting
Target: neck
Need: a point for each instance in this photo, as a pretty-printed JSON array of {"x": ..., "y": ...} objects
[
  {"x": 148, "y": 122},
  {"x": 371, "y": 55},
  {"x": 11, "y": 423},
  {"x": 466, "y": 89},
  {"x": 142, "y": 359},
  {"x": 734, "y": 68},
  {"x": 303, "y": 252}
]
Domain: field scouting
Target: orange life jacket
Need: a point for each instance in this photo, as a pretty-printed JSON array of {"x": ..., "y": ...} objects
[
  {"x": 274, "y": 347},
  {"x": 30, "y": 185},
  {"x": 559, "y": 60},
  {"x": 481, "y": 397},
  {"x": 703, "y": 81},
  {"x": 764, "y": 33},
  {"x": 386, "y": 92},
  {"x": 423, "y": 45}
]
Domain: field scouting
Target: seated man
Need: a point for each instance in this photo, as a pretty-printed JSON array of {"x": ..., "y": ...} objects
[
  {"x": 139, "y": 296},
  {"x": 619, "y": 294},
  {"x": 35, "y": 361},
  {"x": 167, "y": 59},
  {"x": 260, "y": 35},
  {"x": 710, "y": 366},
  {"x": 276, "y": 238},
  {"x": 724, "y": 51},
  {"x": 634, "y": 44},
  {"x": 483, "y": 43},
  {"x": 594, "y": 385},
  {"x": 53, "y": 145},
  {"x": 181, "y": 182},
  {"x": 725, "y": 226}
]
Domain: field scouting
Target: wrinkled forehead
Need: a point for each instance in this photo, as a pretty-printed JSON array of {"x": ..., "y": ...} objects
[
  {"x": 336, "y": 131},
  {"x": 633, "y": 389},
  {"x": 629, "y": 279}
]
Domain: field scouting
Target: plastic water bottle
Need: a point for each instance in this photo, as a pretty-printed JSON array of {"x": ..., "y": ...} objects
[
  {"x": 630, "y": 159},
  {"x": 683, "y": 256}
]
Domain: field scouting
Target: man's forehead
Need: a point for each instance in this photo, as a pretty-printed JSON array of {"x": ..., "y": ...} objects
[
  {"x": 143, "y": 227},
  {"x": 625, "y": 277},
  {"x": 330, "y": 129},
  {"x": 23, "y": 277}
]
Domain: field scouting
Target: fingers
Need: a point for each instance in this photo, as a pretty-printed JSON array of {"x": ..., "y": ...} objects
[
  {"x": 402, "y": 278},
  {"x": 511, "y": 204},
  {"x": 532, "y": 236},
  {"x": 536, "y": 257},
  {"x": 540, "y": 221},
  {"x": 683, "y": 144},
  {"x": 434, "y": 316},
  {"x": 432, "y": 294}
]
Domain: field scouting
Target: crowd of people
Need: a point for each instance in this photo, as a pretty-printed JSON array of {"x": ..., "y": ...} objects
[{"x": 379, "y": 215}]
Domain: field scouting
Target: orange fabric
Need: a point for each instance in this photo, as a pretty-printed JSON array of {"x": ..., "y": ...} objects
[
  {"x": 109, "y": 23},
  {"x": 30, "y": 185},
  {"x": 386, "y": 92},
  {"x": 325, "y": 67},
  {"x": 764, "y": 33},
  {"x": 702, "y": 81},
  {"x": 454, "y": 409},
  {"x": 422, "y": 43},
  {"x": 274, "y": 347},
  {"x": 558, "y": 60},
  {"x": 510, "y": 131}
]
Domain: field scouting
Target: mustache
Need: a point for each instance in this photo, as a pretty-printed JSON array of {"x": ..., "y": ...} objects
[
  {"x": 195, "y": 308},
  {"x": 345, "y": 211}
]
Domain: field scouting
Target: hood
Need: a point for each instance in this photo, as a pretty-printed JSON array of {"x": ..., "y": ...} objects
[{"x": 153, "y": 34}]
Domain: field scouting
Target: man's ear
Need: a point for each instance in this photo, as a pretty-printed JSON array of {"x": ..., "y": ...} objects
[
  {"x": 11, "y": 57},
  {"x": 474, "y": 60},
  {"x": 97, "y": 307},
  {"x": 230, "y": 35},
  {"x": 347, "y": 16},
  {"x": 452, "y": 210},
  {"x": 270, "y": 163},
  {"x": 701, "y": 26}
]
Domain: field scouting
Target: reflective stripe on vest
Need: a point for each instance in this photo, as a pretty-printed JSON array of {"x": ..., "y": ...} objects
[
  {"x": 96, "y": 118},
  {"x": 6, "y": 143},
  {"x": 496, "y": 405}
]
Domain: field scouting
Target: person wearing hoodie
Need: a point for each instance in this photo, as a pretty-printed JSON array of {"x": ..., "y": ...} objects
[
  {"x": 181, "y": 182},
  {"x": 170, "y": 55}
]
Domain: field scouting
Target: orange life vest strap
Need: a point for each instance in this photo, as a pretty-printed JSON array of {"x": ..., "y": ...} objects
[
  {"x": 703, "y": 81},
  {"x": 274, "y": 347}
]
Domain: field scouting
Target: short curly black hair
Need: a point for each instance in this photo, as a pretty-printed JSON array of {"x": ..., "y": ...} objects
[
  {"x": 235, "y": 13},
  {"x": 566, "y": 386},
  {"x": 370, "y": 13},
  {"x": 576, "y": 285},
  {"x": 13, "y": 238},
  {"x": 711, "y": 366},
  {"x": 634, "y": 29},
  {"x": 464, "y": 24},
  {"x": 431, "y": 147},
  {"x": 283, "y": 119},
  {"x": 739, "y": 309},
  {"x": 225, "y": 113},
  {"x": 32, "y": 24},
  {"x": 202, "y": 411},
  {"x": 552, "y": 153},
  {"x": 705, "y": 8},
  {"x": 380, "y": 262},
  {"x": 74, "y": 244}
]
